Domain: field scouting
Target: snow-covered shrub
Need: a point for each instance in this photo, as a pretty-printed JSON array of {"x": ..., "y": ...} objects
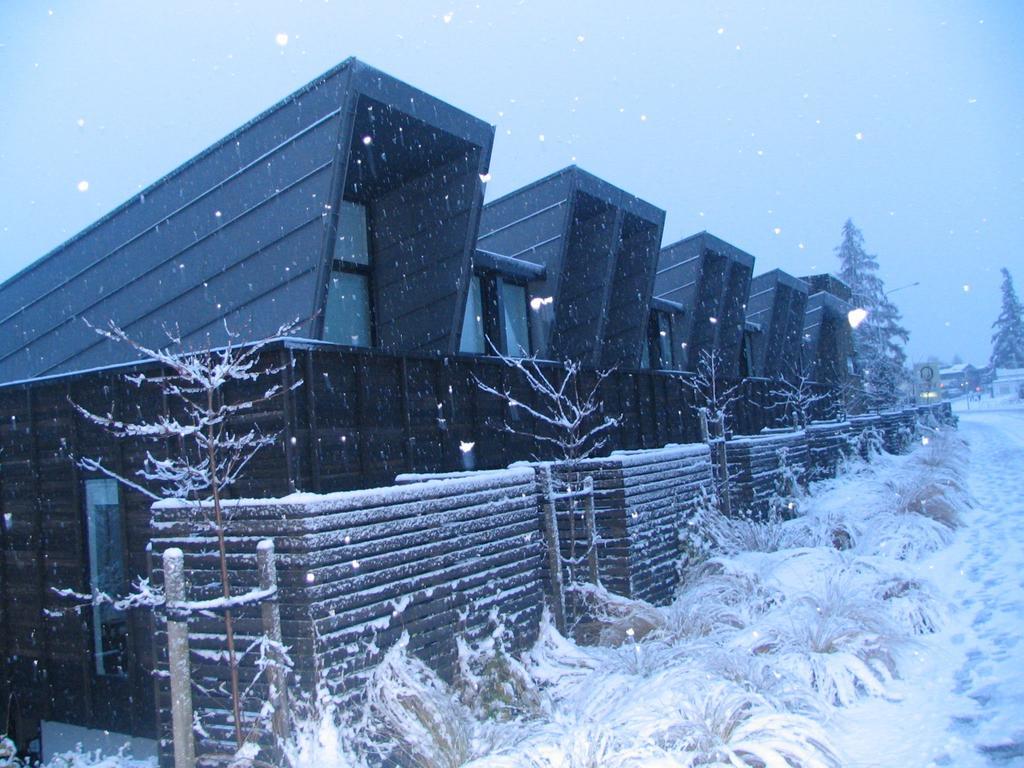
[
  {"x": 8, "y": 754},
  {"x": 832, "y": 529},
  {"x": 929, "y": 497},
  {"x": 786, "y": 490},
  {"x": 911, "y": 603},
  {"x": 419, "y": 717},
  {"x": 723, "y": 724},
  {"x": 715, "y": 600},
  {"x": 839, "y": 642},
  {"x": 695, "y": 540},
  {"x": 613, "y": 619},
  {"x": 579, "y": 744},
  {"x": 902, "y": 536},
  {"x": 870, "y": 444},
  {"x": 321, "y": 736},
  {"x": 493, "y": 684},
  {"x": 741, "y": 534}
]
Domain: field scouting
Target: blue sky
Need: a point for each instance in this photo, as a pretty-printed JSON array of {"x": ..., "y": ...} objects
[{"x": 766, "y": 124}]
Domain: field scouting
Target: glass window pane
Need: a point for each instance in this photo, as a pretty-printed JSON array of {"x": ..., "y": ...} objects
[
  {"x": 347, "y": 315},
  {"x": 664, "y": 341},
  {"x": 106, "y": 573},
  {"x": 473, "y": 322},
  {"x": 352, "y": 245},
  {"x": 517, "y": 327}
]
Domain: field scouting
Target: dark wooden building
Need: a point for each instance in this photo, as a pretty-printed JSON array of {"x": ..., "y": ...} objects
[
  {"x": 351, "y": 206},
  {"x": 594, "y": 249},
  {"x": 828, "y": 337},
  {"x": 775, "y": 319},
  {"x": 708, "y": 279}
]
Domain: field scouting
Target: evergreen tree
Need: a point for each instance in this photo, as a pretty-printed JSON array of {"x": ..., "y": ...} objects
[
  {"x": 878, "y": 341},
  {"x": 1008, "y": 339}
]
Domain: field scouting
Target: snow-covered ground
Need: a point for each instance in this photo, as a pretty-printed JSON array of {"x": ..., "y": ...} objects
[
  {"x": 882, "y": 627},
  {"x": 960, "y": 699}
]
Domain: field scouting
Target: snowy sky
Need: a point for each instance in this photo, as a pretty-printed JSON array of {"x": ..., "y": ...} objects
[{"x": 767, "y": 126}]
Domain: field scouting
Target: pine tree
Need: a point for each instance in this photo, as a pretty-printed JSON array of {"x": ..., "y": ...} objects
[
  {"x": 1008, "y": 339},
  {"x": 878, "y": 341}
]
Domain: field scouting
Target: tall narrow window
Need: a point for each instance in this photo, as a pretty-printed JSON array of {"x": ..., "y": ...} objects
[
  {"x": 658, "y": 351},
  {"x": 348, "y": 313},
  {"x": 473, "y": 321},
  {"x": 514, "y": 317},
  {"x": 106, "y": 573}
]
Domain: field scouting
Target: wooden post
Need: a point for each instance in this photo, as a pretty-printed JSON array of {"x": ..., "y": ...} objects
[
  {"x": 178, "y": 661},
  {"x": 591, "y": 523},
  {"x": 723, "y": 462},
  {"x": 266, "y": 565},
  {"x": 549, "y": 520}
]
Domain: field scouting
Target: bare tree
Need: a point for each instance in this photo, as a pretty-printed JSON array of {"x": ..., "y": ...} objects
[
  {"x": 578, "y": 429},
  {"x": 714, "y": 395},
  {"x": 200, "y": 455},
  {"x": 573, "y": 424},
  {"x": 798, "y": 395},
  {"x": 715, "y": 398}
]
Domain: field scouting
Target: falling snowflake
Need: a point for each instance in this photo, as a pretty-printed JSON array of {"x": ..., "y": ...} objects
[
  {"x": 281, "y": 39},
  {"x": 83, "y": 186}
]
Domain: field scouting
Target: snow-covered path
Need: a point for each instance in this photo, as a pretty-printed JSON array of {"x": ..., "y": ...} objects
[{"x": 961, "y": 696}]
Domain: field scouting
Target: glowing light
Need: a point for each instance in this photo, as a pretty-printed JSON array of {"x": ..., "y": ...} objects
[
  {"x": 217, "y": 214},
  {"x": 281, "y": 39},
  {"x": 83, "y": 186},
  {"x": 856, "y": 316},
  {"x": 367, "y": 140},
  {"x": 466, "y": 447}
]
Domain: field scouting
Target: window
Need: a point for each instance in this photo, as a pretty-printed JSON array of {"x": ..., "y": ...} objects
[
  {"x": 106, "y": 573},
  {"x": 514, "y": 319},
  {"x": 496, "y": 314},
  {"x": 348, "y": 313},
  {"x": 473, "y": 321},
  {"x": 657, "y": 353}
]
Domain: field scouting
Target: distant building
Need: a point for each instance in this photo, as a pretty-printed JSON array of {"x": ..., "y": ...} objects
[
  {"x": 1008, "y": 382},
  {"x": 959, "y": 379}
]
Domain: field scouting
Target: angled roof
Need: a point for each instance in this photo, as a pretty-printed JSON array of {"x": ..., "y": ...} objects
[
  {"x": 599, "y": 246},
  {"x": 243, "y": 233},
  {"x": 711, "y": 279},
  {"x": 777, "y": 303}
]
